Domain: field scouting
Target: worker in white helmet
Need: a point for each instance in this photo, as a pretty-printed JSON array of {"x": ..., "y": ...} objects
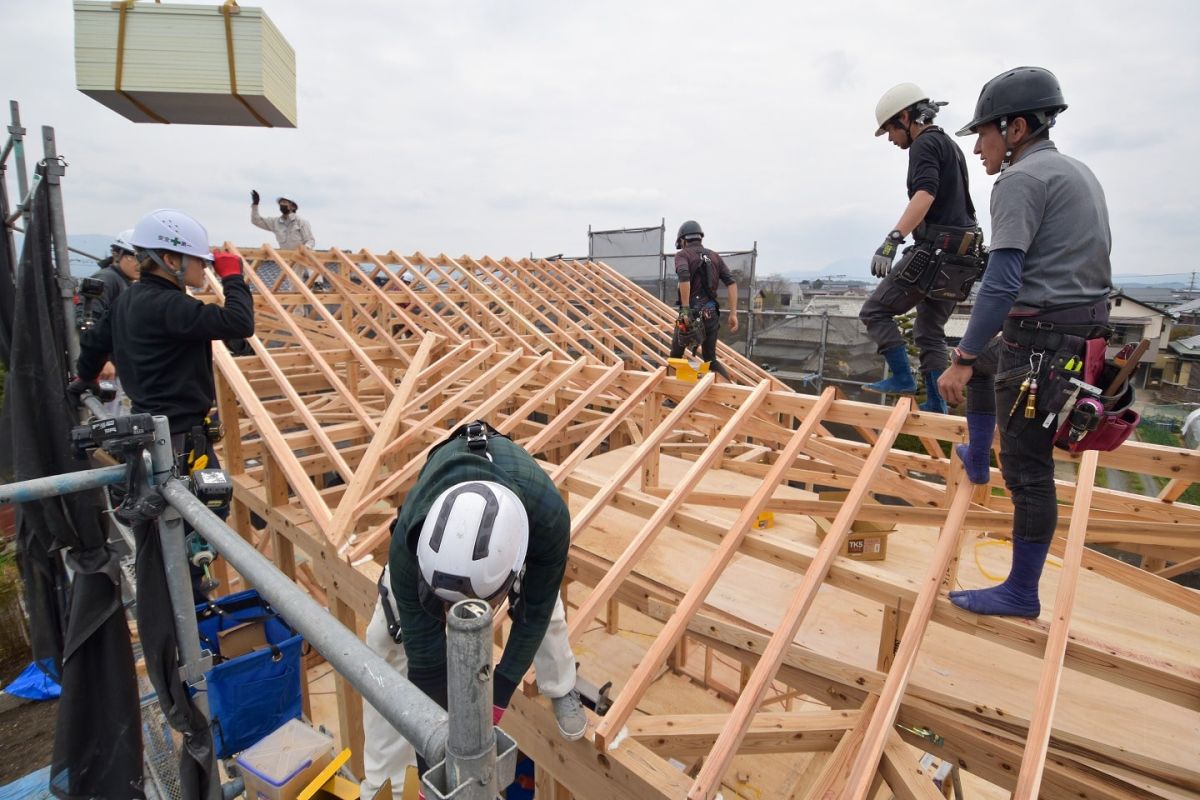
[
  {"x": 482, "y": 521},
  {"x": 939, "y": 269},
  {"x": 160, "y": 337},
  {"x": 117, "y": 273}
]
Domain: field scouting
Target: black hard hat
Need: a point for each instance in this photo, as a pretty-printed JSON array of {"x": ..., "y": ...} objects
[
  {"x": 689, "y": 230},
  {"x": 1017, "y": 91}
]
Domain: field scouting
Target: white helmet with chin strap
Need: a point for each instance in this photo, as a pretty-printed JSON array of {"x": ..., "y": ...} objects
[
  {"x": 473, "y": 542},
  {"x": 174, "y": 231},
  {"x": 900, "y": 97}
]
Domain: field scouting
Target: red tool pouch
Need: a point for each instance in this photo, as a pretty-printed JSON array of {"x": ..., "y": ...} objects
[{"x": 1118, "y": 420}]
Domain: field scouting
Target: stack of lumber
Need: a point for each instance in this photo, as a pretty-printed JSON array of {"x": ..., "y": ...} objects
[{"x": 172, "y": 63}]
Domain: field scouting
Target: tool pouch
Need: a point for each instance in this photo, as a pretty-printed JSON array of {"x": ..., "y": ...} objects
[
  {"x": 915, "y": 266},
  {"x": 954, "y": 275},
  {"x": 1116, "y": 424},
  {"x": 1057, "y": 389}
]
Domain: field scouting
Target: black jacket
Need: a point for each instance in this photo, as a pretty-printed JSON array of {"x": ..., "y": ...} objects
[{"x": 160, "y": 339}]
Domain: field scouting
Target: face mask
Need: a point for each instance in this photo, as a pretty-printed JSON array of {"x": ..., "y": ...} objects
[{"x": 285, "y": 210}]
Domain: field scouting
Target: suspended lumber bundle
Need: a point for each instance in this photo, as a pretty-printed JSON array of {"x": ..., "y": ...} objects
[
  {"x": 746, "y": 661},
  {"x": 189, "y": 64}
]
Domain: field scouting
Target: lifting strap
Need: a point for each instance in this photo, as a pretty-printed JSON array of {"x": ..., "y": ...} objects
[
  {"x": 228, "y": 10},
  {"x": 125, "y": 6}
]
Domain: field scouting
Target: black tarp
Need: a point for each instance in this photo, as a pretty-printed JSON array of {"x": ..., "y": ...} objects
[
  {"x": 97, "y": 744},
  {"x": 8, "y": 275}
]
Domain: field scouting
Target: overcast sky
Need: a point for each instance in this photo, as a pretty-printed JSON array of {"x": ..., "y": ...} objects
[{"x": 505, "y": 128}]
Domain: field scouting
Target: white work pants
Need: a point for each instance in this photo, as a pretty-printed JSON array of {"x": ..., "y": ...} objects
[{"x": 386, "y": 754}]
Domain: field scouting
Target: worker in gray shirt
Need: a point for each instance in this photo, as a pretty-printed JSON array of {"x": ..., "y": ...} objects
[
  {"x": 1047, "y": 284},
  {"x": 290, "y": 230}
]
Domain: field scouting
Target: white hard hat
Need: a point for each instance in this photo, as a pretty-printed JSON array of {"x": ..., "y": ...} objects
[
  {"x": 895, "y": 100},
  {"x": 124, "y": 241},
  {"x": 173, "y": 230},
  {"x": 473, "y": 541}
]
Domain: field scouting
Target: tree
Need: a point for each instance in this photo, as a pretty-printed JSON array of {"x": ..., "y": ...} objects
[{"x": 772, "y": 287}]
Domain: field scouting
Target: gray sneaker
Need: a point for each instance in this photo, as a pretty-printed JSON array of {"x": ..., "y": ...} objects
[{"x": 569, "y": 713}]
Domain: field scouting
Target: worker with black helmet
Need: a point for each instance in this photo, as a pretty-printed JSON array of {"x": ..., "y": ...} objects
[
  {"x": 939, "y": 269},
  {"x": 1046, "y": 289},
  {"x": 699, "y": 270}
]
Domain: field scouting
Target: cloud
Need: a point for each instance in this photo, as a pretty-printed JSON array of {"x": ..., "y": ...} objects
[{"x": 508, "y": 128}]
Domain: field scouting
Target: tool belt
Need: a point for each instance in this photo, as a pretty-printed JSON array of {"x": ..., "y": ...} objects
[
  {"x": 1041, "y": 335},
  {"x": 944, "y": 263}
]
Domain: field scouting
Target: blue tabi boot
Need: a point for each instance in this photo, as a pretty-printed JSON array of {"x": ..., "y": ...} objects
[
  {"x": 976, "y": 454},
  {"x": 934, "y": 402},
  {"x": 1018, "y": 595},
  {"x": 901, "y": 381}
]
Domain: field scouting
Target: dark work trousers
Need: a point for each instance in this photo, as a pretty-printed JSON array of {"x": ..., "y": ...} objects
[
  {"x": 1026, "y": 449},
  {"x": 178, "y": 441},
  {"x": 981, "y": 388},
  {"x": 892, "y": 298},
  {"x": 708, "y": 348}
]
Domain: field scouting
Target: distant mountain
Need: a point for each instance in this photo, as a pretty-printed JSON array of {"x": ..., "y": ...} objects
[{"x": 91, "y": 243}]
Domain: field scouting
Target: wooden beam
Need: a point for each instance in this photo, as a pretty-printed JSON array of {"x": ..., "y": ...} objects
[
  {"x": 692, "y": 735},
  {"x": 709, "y": 778}
]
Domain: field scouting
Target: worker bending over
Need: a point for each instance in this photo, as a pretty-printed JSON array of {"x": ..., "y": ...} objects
[
  {"x": 944, "y": 262},
  {"x": 1048, "y": 281},
  {"x": 482, "y": 521},
  {"x": 699, "y": 269},
  {"x": 160, "y": 337}
]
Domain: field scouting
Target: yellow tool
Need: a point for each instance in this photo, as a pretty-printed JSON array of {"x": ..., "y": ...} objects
[
  {"x": 688, "y": 370},
  {"x": 328, "y": 785},
  {"x": 765, "y": 520}
]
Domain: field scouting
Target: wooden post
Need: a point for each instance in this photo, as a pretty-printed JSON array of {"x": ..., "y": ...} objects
[{"x": 350, "y": 721}]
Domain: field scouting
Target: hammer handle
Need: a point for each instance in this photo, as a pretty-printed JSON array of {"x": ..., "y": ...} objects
[{"x": 1127, "y": 368}]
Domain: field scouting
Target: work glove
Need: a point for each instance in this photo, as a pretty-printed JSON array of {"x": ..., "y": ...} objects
[
  {"x": 254, "y": 197},
  {"x": 227, "y": 265},
  {"x": 77, "y": 387},
  {"x": 497, "y": 713},
  {"x": 881, "y": 262}
]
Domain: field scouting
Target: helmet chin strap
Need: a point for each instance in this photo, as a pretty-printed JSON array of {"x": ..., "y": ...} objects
[
  {"x": 1047, "y": 122},
  {"x": 178, "y": 275}
]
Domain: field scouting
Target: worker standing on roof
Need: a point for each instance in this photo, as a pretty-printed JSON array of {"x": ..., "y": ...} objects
[
  {"x": 290, "y": 230},
  {"x": 483, "y": 520},
  {"x": 1049, "y": 278},
  {"x": 699, "y": 270},
  {"x": 160, "y": 338},
  {"x": 945, "y": 260}
]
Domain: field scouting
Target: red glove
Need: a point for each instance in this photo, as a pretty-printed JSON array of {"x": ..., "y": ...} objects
[
  {"x": 497, "y": 713},
  {"x": 227, "y": 264}
]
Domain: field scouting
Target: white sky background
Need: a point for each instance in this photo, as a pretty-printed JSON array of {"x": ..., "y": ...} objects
[{"x": 504, "y": 128}]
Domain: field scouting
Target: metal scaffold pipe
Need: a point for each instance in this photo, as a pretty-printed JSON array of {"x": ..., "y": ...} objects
[
  {"x": 55, "y": 485},
  {"x": 471, "y": 749},
  {"x": 410, "y": 711}
]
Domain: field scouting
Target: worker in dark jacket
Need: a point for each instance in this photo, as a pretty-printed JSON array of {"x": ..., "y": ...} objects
[
  {"x": 1048, "y": 282},
  {"x": 699, "y": 270},
  {"x": 479, "y": 493},
  {"x": 940, "y": 216},
  {"x": 117, "y": 273},
  {"x": 160, "y": 337}
]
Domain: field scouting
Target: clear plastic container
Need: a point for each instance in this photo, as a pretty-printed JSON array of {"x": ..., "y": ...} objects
[{"x": 285, "y": 761}]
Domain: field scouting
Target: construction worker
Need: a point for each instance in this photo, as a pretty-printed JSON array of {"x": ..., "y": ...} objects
[
  {"x": 483, "y": 520},
  {"x": 699, "y": 269},
  {"x": 941, "y": 218},
  {"x": 1048, "y": 279},
  {"x": 291, "y": 231},
  {"x": 160, "y": 337},
  {"x": 116, "y": 272}
]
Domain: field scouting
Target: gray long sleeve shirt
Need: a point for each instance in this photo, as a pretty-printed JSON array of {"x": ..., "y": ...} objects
[{"x": 290, "y": 231}]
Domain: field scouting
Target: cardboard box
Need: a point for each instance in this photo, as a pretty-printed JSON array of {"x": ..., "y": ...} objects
[
  {"x": 285, "y": 762},
  {"x": 867, "y": 540},
  {"x": 175, "y": 64},
  {"x": 242, "y": 639}
]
